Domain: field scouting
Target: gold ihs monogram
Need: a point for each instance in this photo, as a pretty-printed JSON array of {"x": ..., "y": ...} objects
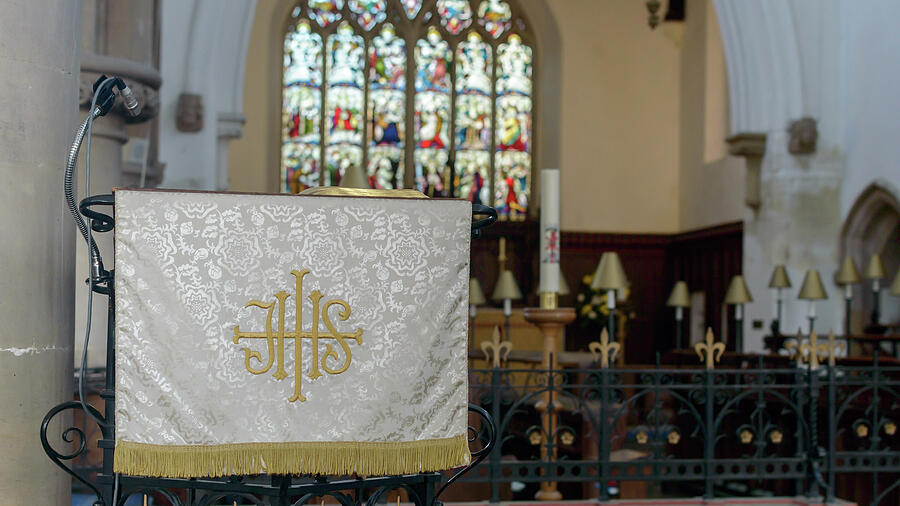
[{"x": 275, "y": 338}]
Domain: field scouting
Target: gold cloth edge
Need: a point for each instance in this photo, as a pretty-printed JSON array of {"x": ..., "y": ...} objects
[
  {"x": 333, "y": 458},
  {"x": 340, "y": 191}
]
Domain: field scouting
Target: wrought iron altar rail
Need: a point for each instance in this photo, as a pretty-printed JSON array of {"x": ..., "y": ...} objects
[{"x": 813, "y": 430}]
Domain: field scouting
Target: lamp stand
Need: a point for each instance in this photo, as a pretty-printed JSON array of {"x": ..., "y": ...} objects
[
  {"x": 876, "y": 306},
  {"x": 812, "y": 316},
  {"x": 551, "y": 323},
  {"x": 739, "y": 328},
  {"x": 679, "y": 327},
  {"x": 507, "y": 313},
  {"x": 777, "y": 327},
  {"x": 848, "y": 299},
  {"x": 611, "y": 306}
]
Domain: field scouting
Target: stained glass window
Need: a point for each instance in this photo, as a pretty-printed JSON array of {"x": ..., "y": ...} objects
[
  {"x": 433, "y": 58},
  {"x": 387, "y": 107},
  {"x": 436, "y": 98}
]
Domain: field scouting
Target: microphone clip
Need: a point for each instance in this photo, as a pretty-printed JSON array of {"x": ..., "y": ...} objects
[{"x": 105, "y": 87}]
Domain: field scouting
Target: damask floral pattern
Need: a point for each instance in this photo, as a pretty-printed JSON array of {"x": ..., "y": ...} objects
[{"x": 187, "y": 265}]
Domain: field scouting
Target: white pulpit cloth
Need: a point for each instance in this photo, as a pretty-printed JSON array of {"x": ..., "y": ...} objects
[{"x": 217, "y": 371}]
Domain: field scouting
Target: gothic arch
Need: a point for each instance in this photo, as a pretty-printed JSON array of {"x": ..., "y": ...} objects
[
  {"x": 873, "y": 226},
  {"x": 874, "y": 215}
]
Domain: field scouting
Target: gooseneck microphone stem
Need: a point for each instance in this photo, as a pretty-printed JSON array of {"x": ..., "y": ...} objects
[
  {"x": 99, "y": 279},
  {"x": 69, "y": 182}
]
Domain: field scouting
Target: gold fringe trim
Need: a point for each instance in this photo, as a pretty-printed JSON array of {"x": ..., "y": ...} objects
[{"x": 338, "y": 458}]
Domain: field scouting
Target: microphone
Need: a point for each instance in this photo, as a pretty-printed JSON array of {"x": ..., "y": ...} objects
[{"x": 132, "y": 106}]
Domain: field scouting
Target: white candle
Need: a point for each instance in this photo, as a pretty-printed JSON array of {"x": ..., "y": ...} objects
[
  {"x": 507, "y": 307},
  {"x": 812, "y": 309},
  {"x": 473, "y": 310},
  {"x": 738, "y": 311},
  {"x": 611, "y": 299},
  {"x": 848, "y": 292},
  {"x": 876, "y": 285},
  {"x": 549, "y": 278},
  {"x": 679, "y": 313}
]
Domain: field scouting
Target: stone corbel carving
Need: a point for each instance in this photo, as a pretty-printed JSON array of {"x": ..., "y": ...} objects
[
  {"x": 189, "y": 113},
  {"x": 751, "y": 146},
  {"x": 148, "y": 98},
  {"x": 804, "y": 135},
  {"x": 143, "y": 79}
]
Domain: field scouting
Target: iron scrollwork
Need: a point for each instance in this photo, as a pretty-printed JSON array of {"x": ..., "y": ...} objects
[{"x": 59, "y": 458}]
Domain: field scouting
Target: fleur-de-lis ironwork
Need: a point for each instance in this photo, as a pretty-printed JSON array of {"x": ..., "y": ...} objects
[
  {"x": 710, "y": 351},
  {"x": 495, "y": 350},
  {"x": 833, "y": 347},
  {"x": 811, "y": 351},
  {"x": 604, "y": 351}
]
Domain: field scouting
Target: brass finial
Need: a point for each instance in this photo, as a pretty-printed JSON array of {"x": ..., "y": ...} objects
[
  {"x": 494, "y": 350},
  {"x": 848, "y": 274},
  {"x": 604, "y": 351},
  {"x": 811, "y": 351},
  {"x": 476, "y": 294},
  {"x": 779, "y": 278},
  {"x": 875, "y": 269},
  {"x": 610, "y": 275},
  {"x": 710, "y": 351},
  {"x": 812, "y": 288},
  {"x": 680, "y": 297},
  {"x": 737, "y": 291}
]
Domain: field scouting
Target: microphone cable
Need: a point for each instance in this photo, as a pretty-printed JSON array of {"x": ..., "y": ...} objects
[{"x": 93, "y": 251}]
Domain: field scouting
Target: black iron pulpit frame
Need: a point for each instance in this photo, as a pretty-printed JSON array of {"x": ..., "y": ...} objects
[{"x": 114, "y": 489}]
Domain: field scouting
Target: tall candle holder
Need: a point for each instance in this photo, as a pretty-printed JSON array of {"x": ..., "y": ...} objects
[
  {"x": 875, "y": 272},
  {"x": 679, "y": 299},
  {"x": 610, "y": 277},
  {"x": 848, "y": 276},
  {"x": 738, "y": 295},
  {"x": 507, "y": 290},
  {"x": 476, "y": 298},
  {"x": 812, "y": 290},
  {"x": 778, "y": 282},
  {"x": 551, "y": 323}
]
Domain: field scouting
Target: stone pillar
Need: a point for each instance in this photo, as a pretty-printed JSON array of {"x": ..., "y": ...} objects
[{"x": 38, "y": 99}]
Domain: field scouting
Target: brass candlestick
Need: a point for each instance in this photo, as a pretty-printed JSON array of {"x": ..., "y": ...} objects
[{"x": 507, "y": 290}]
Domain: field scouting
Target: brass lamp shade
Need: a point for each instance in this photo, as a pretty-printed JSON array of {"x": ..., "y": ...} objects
[
  {"x": 780, "y": 278},
  {"x": 507, "y": 288},
  {"x": 737, "y": 291},
  {"x": 849, "y": 274},
  {"x": 812, "y": 288},
  {"x": 895, "y": 287},
  {"x": 609, "y": 274},
  {"x": 476, "y": 294},
  {"x": 679, "y": 296},
  {"x": 875, "y": 269},
  {"x": 354, "y": 178}
]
